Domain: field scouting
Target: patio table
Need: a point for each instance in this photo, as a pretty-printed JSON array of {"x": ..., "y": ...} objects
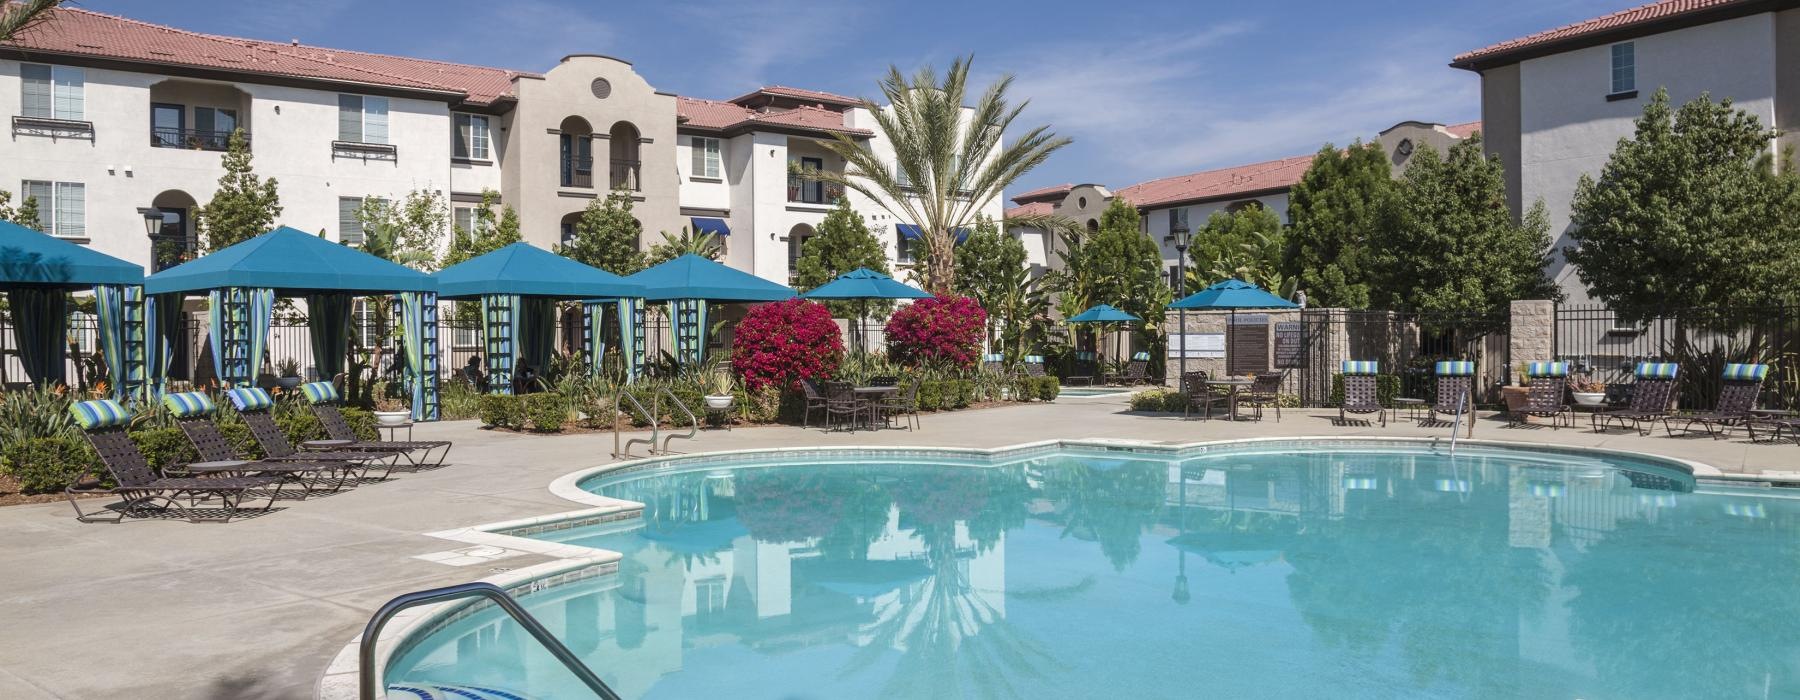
[
  {"x": 872, "y": 395},
  {"x": 1231, "y": 393}
]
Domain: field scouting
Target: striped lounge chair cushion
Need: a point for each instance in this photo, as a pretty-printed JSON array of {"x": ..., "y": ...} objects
[
  {"x": 250, "y": 399},
  {"x": 1084, "y": 356},
  {"x": 1361, "y": 367},
  {"x": 1547, "y": 369},
  {"x": 1140, "y": 357},
  {"x": 1657, "y": 370},
  {"x": 319, "y": 392},
  {"x": 1735, "y": 372},
  {"x": 189, "y": 404},
  {"x": 1034, "y": 359},
  {"x": 993, "y": 357},
  {"x": 1456, "y": 368},
  {"x": 100, "y": 413}
]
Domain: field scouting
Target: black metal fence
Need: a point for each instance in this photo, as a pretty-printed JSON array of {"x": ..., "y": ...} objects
[
  {"x": 1407, "y": 345},
  {"x": 1605, "y": 348}
]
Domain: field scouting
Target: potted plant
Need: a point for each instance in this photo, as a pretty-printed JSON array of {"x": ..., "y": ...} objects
[
  {"x": 1517, "y": 396},
  {"x": 1586, "y": 391},
  {"x": 287, "y": 373},
  {"x": 390, "y": 407},
  {"x": 719, "y": 386}
]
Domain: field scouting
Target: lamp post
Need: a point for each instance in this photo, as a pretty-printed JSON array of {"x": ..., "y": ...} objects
[
  {"x": 153, "y": 221},
  {"x": 1181, "y": 247}
]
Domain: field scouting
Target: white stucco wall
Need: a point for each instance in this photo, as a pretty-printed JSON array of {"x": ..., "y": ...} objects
[
  {"x": 1568, "y": 128},
  {"x": 1157, "y": 220}
]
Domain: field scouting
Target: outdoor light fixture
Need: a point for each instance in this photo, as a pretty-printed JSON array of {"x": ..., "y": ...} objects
[
  {"x": 153, "y": 220},
  {"x": 1181, "y": 247}
]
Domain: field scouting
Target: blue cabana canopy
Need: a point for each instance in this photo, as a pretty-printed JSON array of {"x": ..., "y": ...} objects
[
  {"x": 1233, "y": 294},
  {"x": 290, "y": 261},
  {"x": 864, "y": 283},
  {"x": 527, "y": 270},
  {"x": 1103, "y": 313},
  {"x": 703, "y": 224},
  {"x": 693, "y": 277},
  {"x": 31, "y": 258}
]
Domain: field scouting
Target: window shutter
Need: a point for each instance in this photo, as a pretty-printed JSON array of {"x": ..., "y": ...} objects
[
  {"x": 71, "y": 209},
  {"x": 375, "y": 120},
  {"x": 349, "y": 227},
  {"x": 34, "y": 90},
  {"x": 459, "y": 144},
  {"x": 68, "y": 94},
  {"x": 350, "y": 118}
]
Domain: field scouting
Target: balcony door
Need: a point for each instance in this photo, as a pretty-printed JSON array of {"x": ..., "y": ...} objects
[
  {"x": 812, "y": 191},
  {"x": 577, "y": 160},
  {"x": 167, "y": 122}
]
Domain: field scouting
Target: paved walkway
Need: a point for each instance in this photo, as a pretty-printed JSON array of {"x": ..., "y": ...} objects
[{"x": 256, "y": 608}]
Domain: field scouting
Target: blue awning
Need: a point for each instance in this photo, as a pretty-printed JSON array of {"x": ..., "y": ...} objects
[
  {"x": 709, "y": 225},
  {"x": 912, "y": 232}
]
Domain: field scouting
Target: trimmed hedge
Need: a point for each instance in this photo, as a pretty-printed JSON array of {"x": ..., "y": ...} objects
[
  {"x": 47, "y": 464},
  {"x": 546, "y": 412},
  {"x": 502, "y": 411}
]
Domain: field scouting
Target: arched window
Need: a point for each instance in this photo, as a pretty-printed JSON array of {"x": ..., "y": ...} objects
[
  {"x": 623, "y": 148},
  {"x": 577, "y": 153}
]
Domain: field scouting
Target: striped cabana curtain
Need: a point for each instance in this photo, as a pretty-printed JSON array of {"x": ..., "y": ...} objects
[
  {"x": 594, "y": 337},
  {"x": 328, "y": 321},
  {"x": 124, "y": 338},
  {"x": 690, "y": 330},
  {"x": 163, "y": 324},
  {"x": 40, "y": 329},
  {"x": 500, "y": 327},
  {"x": 417, "y": 312},
  {"x": 537, "y": 331},
  {"x": 238, "y": 323},
  {"x": 631, "y": 336}
]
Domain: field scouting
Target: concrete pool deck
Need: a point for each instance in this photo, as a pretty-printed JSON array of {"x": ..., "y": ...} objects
[{"x": 256, "y": 608}]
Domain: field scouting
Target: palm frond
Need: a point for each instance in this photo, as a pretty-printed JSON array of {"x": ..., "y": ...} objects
[{"x": 17, "y": 17}]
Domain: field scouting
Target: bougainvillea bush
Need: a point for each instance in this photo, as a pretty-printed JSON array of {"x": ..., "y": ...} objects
[
  {"x": 781, "y": 343},
  {"x": 938, "y": 331}
]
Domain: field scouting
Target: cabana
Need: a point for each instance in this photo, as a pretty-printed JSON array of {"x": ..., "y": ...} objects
[
  {"x": 518, "y": 287},
  {"x": 689, "y": 284},
  {"x": 242, "y": 282},
  {"x": 37, "y": 271}
]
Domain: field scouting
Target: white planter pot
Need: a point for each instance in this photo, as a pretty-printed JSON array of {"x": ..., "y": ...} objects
[
  {"x": 287, "y": 383},
  {"x": 392, "y": 417},
  {"x": 1588, "y": 398},
  {"x": 718, "y": 403}
]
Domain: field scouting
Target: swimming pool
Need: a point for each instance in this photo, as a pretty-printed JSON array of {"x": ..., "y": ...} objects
[{"x": 1262, "y": 570}]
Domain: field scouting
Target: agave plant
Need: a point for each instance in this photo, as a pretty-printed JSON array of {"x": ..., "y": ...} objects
[{"x": 36, "y": 412}]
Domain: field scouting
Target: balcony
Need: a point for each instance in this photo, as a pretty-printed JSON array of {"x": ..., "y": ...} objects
[
  {"x": 191, "y": 139},
  {"x": 577, "y": 171},
  {"x": 803, "y": 191},
  {"x": 53, "y": 128},
  {"x": 358, "y": 150},
  {"x": 626, "y": 174}
]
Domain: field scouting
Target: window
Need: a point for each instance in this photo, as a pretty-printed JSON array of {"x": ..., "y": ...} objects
[
  {"x": 707, "y": 161},
  {"x": 471, "y": 140},
  {"x": 51, "y": 92},
  {"x": 1624, "y": 68},
  {"x": 1175, "y": 277},
  {"x": 464, "y": 338},
  {"x": 364, "y": 326},
  {"x": 215, "y": 121},
  {"x": 362, "y": 119},
  {"x": 1178, "y": 220},
  {"x": 464, "y": 218},
  {"x": 350, "y": 226},
  {"x": 903, "y": 248},
  {"x": 167, "y": 122},
  {"x": 62, "y": 207}
]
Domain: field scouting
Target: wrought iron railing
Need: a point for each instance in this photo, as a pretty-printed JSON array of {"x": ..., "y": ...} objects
[
  {"x": 626, "y": 174},
  {"x": 191, "y": 139},
  {"x": 577, "y": 171}
]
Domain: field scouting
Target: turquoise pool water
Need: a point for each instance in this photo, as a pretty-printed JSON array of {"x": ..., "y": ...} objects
[{"x": 1325, "y": 572}]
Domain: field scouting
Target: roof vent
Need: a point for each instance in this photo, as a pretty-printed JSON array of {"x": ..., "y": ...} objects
[
  {"x": 294, "y": 42},
  {"x": 601, "y": 88}
]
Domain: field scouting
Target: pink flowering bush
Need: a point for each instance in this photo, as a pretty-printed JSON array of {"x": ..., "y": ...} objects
[
  {"x": 937, "y": 331},
  {"x": 784, "y": 342}
]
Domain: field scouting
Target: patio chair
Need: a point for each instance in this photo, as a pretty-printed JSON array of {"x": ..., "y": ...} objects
[
  {"x": 1034, "y": 365},
  {"x": 255, "y": 406},
  {"x": 903, "y": 403},
  {"x": 324, "y": 398},
  {"x": 1265, "y": 390},
  {"x": 841, "y": 400},
  {"x": 1136, "y": 372},
  {"x": 194, "y": 412},
  {"x": 1360, "y": 391},
  {"x": 103, "y": 423},
  {"x": 1455, "y": 385},
  {"x": 1653, "y": 389},
  {"x": 815, "y": 401},
  {"x": 1087, "y": 366},
  {"x": 1737, "y": 397},
  {"x": 994, "y": 362},
  {"x": 1200, "y": 395},
  {"x": 884, "y": 380},
  {"x": 1544, "y": 395}
]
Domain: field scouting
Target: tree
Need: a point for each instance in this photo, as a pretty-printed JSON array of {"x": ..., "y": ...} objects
[
  {"x": 1687, "y": 212},
  {"x": 1343, "y": 198},
  {"x": 843, "y": 243},
  {"x": 1116, "y": 265},
  {"x": 406, "y": 233},
  {"x": 245, "y": 205},
  {"x": 987, "y": 263},
  {"x": 1246, "y": 244},
  {"x": 606, "y": 236},
  {"x": 947, "y": 164},
  {"x": 491, "y": 232},
  {"x": 26, "y": 214},
  {"x": 1455, "y": 245},
  {"x": 704, "y": 244},
  {"x": 16, "y": 18}
]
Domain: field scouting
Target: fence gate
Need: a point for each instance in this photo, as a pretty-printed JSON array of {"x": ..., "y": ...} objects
[{"x": 1407, "y": 344}]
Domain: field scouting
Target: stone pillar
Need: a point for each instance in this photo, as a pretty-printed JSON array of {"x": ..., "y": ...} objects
[{"x": 1532, "y": 337}]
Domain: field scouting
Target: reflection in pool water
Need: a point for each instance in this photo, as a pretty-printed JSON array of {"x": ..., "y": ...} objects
[{"x": 1387, "y": 573}]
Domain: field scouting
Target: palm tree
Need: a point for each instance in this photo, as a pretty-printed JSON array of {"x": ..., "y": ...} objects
[
  {"x": 17, "y": 17},
  {"x": 702, "y": 243},
  {"x": 946, "y": 166}
]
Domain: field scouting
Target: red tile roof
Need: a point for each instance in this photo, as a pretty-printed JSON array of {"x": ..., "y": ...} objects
[
  {"x": 1041, "y": 192},
  {"x": 801, "y": 94},
  {"x": 1218, "y": 184},
  {"x": 1464, "y": 130},
  {"x": 1032, "y": 209},
  {"x": 726, "y": 116},
  {"x": 76, "y": 32},
  {"x": 1623, "y": 19}
]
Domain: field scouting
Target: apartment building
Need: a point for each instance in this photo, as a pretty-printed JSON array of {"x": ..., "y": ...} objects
[
  {"x": 112, "y": 117},
  {"x": 1555, "y": 103}
]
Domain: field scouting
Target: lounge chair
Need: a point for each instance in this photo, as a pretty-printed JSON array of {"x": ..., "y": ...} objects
[
  {"x": 1034, "y": 365},
  {"x": 1200, "y": 395},
  {"x": 193, "y": 413},
  {"x": 1455, "y": 387},
  {"x": 1265, "y": 390},
  {"x": 1087, "y": 366},
  {"x": 1136, "y": 372},
  {"x": 1544, "y": 396},
  {"x": 103, "y": 423},
  {"x": 1652, "y": 391},
  {"x": 1360, "y": 391},
  {"x": 1737, "y": 397},
  {"x": 254, "y": 406},
  {"x": 324, "y": 398},
  {"x": 994, "y": 362}
]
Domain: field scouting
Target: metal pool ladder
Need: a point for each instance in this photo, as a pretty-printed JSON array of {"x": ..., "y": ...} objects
[
  {"x": 693, "y": 423},
  {"x": 369, "y": 689},
  {"x": 1462, "y": 400},
  {"x": 625, "y": 451}
]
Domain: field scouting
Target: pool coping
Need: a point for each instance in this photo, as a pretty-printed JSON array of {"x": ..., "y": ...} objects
[{"x": 340, "y": 679}]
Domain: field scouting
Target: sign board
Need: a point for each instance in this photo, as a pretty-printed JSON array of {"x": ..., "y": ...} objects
[
  {"x": 1249, "y": 319},
  {"x": 1290, "y": 345},
  {"x": 1199, "y": 345}
]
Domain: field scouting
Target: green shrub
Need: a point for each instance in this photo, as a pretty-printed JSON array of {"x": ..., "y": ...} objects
[
  {"x": 961, "y": 393},
  {"x": 930, "y": 395},
  {"x": 47, "y": 464},
  {"x": 165, "y": 448},
  {"x": 501, "y": 411},
  {"x": 300, "y": 425},
  {"x": 1387, "y": 386},
  {"x": 362, "y": 423},
  {"x": 458, "y": 401},
  {"x": 1048, "y": 388},
  {"x": 1155, "y": 400},
  {"x": 546, "y": 412}
]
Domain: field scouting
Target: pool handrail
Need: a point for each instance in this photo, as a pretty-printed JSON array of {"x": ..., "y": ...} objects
[
  {"x": 655, "y": 430},
  {"x": 368, "y": 687},
  {"x": 693, "y": 423}
]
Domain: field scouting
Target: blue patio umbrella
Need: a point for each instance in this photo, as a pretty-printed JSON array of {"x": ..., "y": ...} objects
[
  {"x": 1102, "y": 314},
  {"x": 861, "y": 285},
  {"x": 1232, "y": 295}
]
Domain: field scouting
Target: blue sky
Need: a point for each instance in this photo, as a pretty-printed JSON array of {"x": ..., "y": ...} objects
[{"x": 1146, "y": 89}]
